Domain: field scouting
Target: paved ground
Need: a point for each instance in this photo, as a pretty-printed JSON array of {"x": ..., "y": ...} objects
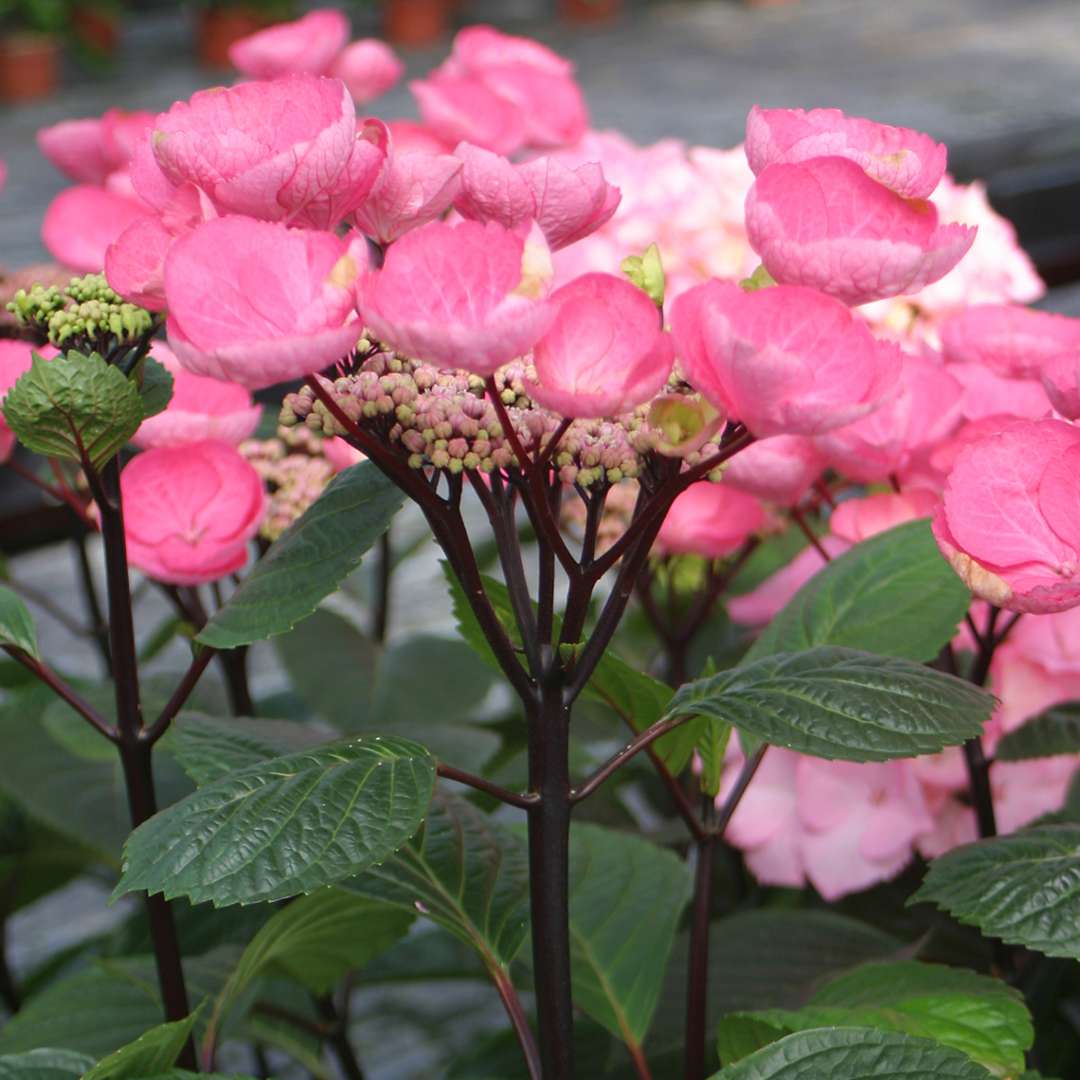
[{"x": 999, "y": 80}]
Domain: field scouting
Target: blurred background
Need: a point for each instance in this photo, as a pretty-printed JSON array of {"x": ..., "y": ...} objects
[{"x": 997, "y": 80}]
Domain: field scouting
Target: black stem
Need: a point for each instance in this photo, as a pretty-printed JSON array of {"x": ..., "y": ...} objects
[
  {"x": 338, "y": 1037},
  {"x": 380, "y": 617},
  {"x": 522, "y": 802},
  {"x": 135, "y": 752},
  {"x": 199, "y": 663},
  {"x": 62, "y": 690},
  {"x": 9, "y": 991},
  {"x": 518, "y": 1020}
]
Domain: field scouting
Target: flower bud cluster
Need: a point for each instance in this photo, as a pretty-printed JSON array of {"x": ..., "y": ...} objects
[
  {"x": 440, "y": 418},
  {"x": 86, "y": 315},
  {"x": 294, "y": 471}
]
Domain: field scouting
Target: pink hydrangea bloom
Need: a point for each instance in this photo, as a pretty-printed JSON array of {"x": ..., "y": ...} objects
[
  {"x": 368, "y": 67},
  {"x": 409, "y": 136},
  {"x": 1012, "y": 340},
  {"x": 256, "y": 303},
  {"x": 305, "y": 46},
  {"x": 200, "y": 408},
  {"x": 288, "y": 150},
  {"x": 907, "y": 161},
  {"x": 1061, "y": 381},
  {"x": 855, "y": 520},
  {"x": 986, "y": 393},
  {"x": 89, "y": 151},
  {"x": 605, "y": 352},
  {"x": 778, "y": 470},
  {"x": 83, "y": 221},
  {"x": 135, "y": 262},
  {"x": 502, "y": 93},
  {"x": 1010, "y": 520},
  {"x": 451, "y": 295},
  {"x": 340, "y": 454},
  {"x": 15, "y": 360},
  {"x": 784, "y": 360},
  {"x": 922, "y": 409},
  {"x": 190, "y": 510},
  {"x": 826, "y": 224},
  {"x": 710, "y": 520}
]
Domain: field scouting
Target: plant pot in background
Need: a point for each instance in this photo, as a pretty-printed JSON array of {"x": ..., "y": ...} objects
[
  {"x": 96, "y": 30},
  {"x": 416, "y": 22},
  {"x": 29, "y": 66},
  {"x": 590, "y": 11},
  {"x": 218, "y": 27}
]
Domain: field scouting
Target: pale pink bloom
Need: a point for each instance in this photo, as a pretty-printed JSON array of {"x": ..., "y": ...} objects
[
  {"x": 306, "y": 46},
  {"x": 502, "y": 93},
  {"x": 88, "y": 151},
  {"x": 288, "y": 150},
  {"x": 711, "y": 520},
  {"x": 256, "y": 303},
  {"x": 1010, "y": 520},
  {"x": 368, "y": 67},
  {"x": 923, "y": 408},
  {"x": 986, "y": 393},
  {"x": 409, "y": 136},
  {"x": 135, "y": 262},
  {"x": 82, "y": 221},
  {"x": 784, "y": 360},
  {"x": 413, "y": 188},
  {"x": 200, "y": 408},
  {"x": 855, "y": 520},
  {"x": 605, "y": 353},
  {"x": 189, "y": 511},
  {"x": 15, "y": 360},
  {"x": 761, "y": 605},
  {"x": 907, "y": 161},
  {"x": 826, "y": 224},
  {"x": 1012, "y": 340},
  {"x": 1061, "y": 381},
  {"x": 778, "y": 470},
  {"x": 340, "y": 454},
  {"x": 944, "y": 455},
  {"x": 451, "y": 295},
  {"x": 492, "y": 189}
]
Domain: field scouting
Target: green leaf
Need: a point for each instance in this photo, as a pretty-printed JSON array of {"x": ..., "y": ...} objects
[
  {"x": 183, "y": 1074},
  {"x": 1056, "y": 731},
  {"x": 1023, "y": 888},
  {"x": 44, "y": 1065},
  {"x": 711, "y": 745},
  {"x": 853, "y": 1053},
  {"x": 284, "y": 826},
  {"x": 74, "y": 405},
  {"x": 155, "y": 387},
  {"x": 309, "y": 560},
  {"x": 646, "y": 271},
  {"x": 841, "y": 704},
  {"x": 626, "y": 897},
  {"x": 151, "y": 1053},
  {"x": 314, "y": 940},
  {"x": 982, "y": 1017},
  {"x": 892, "y": 594},
  {"x": 466, "y": 873},
  {"x": 16, "y": 624},
  {"x": 209, "y": 748}
]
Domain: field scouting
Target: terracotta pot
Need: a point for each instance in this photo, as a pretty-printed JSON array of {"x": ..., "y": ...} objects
[
  {"x": 97, "y": 30},
  {"x": 590, "y": 11},
  {"x": 219, "y": 27},
  {"x": 29, "y": 66},
  {"x": 416, "y": 22}
]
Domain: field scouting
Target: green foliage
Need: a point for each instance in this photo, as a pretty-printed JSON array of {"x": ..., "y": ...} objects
[
  {"x": 309, "y": 560},
  {"x": 853, "y": 1053},
  {"x": 626, "y": 897},
  {"x": 151, "y": 1053},
  {"x": 1056, "y": 731},
  {"x": 16, "y": 624},
  {"x": 1021, "y": 888},
  {"x": 284, "y": 826},
  {"x": 466, "y": 873},
  {"x": 711, "y": 745},
  {"x": 841, "y": 704},
  {"x": 155, "y": 386},
  {"x": 44, "y": 1065},
  {"x": 646, "y": 271},
  {"x": 983, "y": 1017},
  {"x": 892, "y": 594},
  {"x": 74, "y": 406}
]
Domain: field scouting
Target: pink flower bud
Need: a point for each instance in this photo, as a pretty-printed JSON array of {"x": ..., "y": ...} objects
[
  {"x": 1010, "y": 520},
  {"x": 449, "y": 294},
  {"x": 257, "y": 303},
  {"x": 16, "y": 358},
  {"x": 710, "y": 520},
  {"x": 189, "y": 511},
  {"x": 907, "y": 161},
  {"x": 304, "y": 46},
  {"x": 783, "y": 360},
  {"x": 826, "y": 224},
  {"x": 368, "y": 68},
  {"x": 605, "y": 353},
  {"x": 200, "y": 408}
]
